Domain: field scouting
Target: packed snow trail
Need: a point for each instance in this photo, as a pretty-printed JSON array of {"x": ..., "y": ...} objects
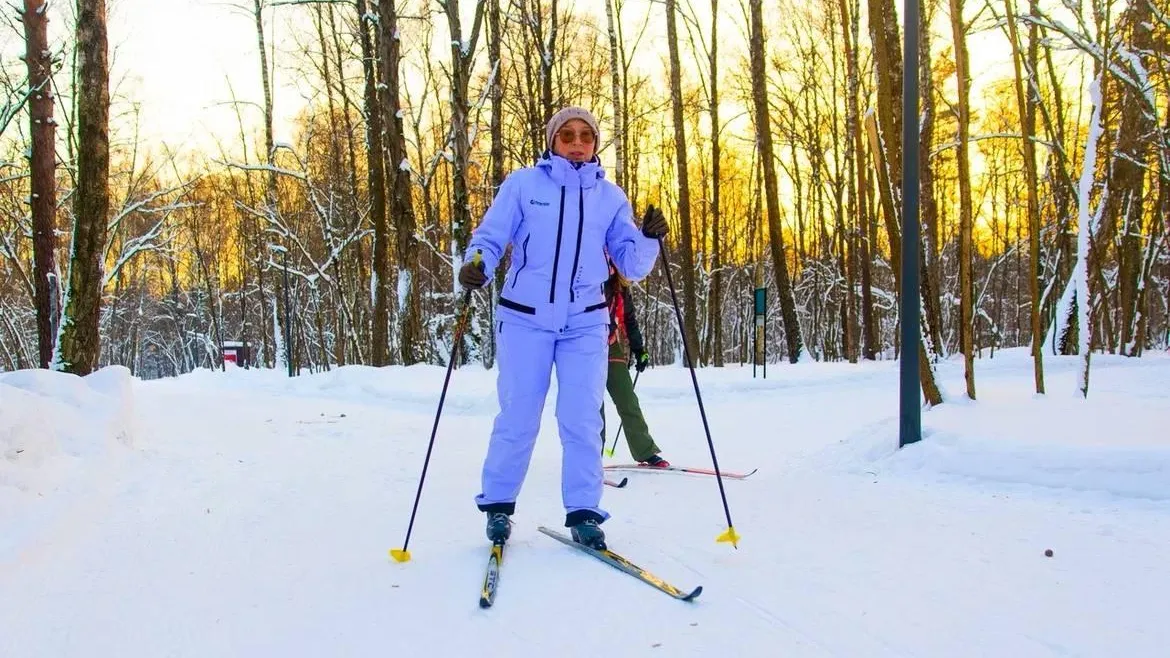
[{"x": 254, "y": 514}]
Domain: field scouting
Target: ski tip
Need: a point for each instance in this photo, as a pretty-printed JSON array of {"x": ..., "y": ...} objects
[
  {"x": 694, "y": 594},
  {"x": 400, "y": 554},
  {"x": 618, "y": 485},
  {"x": 485, "y": 603},
  {"x": 729, "y": 537}
]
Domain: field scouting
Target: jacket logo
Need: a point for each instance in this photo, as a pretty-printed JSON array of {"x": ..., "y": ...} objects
[{"x": 538, "y": 203}]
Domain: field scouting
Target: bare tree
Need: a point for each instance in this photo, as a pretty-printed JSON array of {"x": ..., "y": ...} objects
[
  {"x": 616, "y": 73},
  {"x": 931, "y": 268},
  {"x": 1137, "y": 130},
  {"x": 462, "y": 52},
  {"x": 1027, "y": 102},
  {"x": 686, "y": 240},
  {"x": 376, "y": 179},
  {"x": 763, "y": 121},
  {"x": 410, "y": 339},
  {"x": 858, "y": 183},
  {"x": 79, "y": 343},
  {"x": 716, "y": 301},
  {"x": 966, "y": 241},
  {"x": 43, "y": 166},
  {"x": 496, "y": 131}
]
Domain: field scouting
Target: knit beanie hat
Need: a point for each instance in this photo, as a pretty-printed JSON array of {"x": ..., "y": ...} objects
[{"x": 566, "y": 115}]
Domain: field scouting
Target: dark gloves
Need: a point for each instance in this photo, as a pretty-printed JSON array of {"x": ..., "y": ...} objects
[
  {"x": 654, "y": 224},
  {"x": 641, "y": 359},
  {"x": 471, "y": 275}
]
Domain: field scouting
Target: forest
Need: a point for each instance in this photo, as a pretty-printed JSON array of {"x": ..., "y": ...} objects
[{"x": 768, "y": 131}]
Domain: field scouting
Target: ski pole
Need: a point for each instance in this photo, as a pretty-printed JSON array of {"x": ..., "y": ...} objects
[
  {"x": 609, "y": 453},
  {"x": 401, "y": 554},
  {"x": 730, "y": 536}
]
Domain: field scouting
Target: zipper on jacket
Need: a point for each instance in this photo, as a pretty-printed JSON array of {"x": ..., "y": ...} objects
[
  {"x": 552, "y": 290},
  {"x": 516, "y": 279},
  {"x": 577, "y": 252}
]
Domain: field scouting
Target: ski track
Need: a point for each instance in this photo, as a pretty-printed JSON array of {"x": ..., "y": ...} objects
[{"x": 256, "y": 521}]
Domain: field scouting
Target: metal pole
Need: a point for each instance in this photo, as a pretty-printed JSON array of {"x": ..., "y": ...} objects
[
  {"x": 288, "y": 351},
  {"x": 910, "y": 414},
  {"x": 755, "y": 336}
]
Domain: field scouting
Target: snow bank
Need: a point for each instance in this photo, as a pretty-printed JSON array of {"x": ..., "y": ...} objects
[
  {"x": 1107, "y": 444},
  {"x": 53, "y": 424},
  {"x": 413, "y": 389}
]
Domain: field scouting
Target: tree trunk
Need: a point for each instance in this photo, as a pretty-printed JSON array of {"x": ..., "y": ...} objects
[
  {"x": 763, "y": 123},
  {"x": 1086, "y": 226},
  {"x": 43, "y": 167},
  {"x": 1027, "y": 102},
  {"x": 615, "y": 76},
  {"x": 79, "y": 344},
  {"x": 269, "y": 144},
  {"x": 411, "y": 341},
  {"x": 334, "y": 176},
  {"x": 548, "y": 49},
  {"x": 461, "y": 57},
  {"x": 496, "y": 131},
  {"x": 966, "y": 283},
  {"x": 1125, "y": 206},
  {"x": 376, "y": 179},
  {"x": 686, "y": 241},
  {"x": 930, "y": 389},
  {"x": 716, "y": 301},
  {"x": 270, "y": 200},
  {"x": 850, "y": 17},
  {"x": 930, "y": 267},
  {"x": 887, "y": 55}
]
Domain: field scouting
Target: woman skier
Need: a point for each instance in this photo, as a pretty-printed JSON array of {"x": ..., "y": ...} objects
[{"x": 561, "y": 216}]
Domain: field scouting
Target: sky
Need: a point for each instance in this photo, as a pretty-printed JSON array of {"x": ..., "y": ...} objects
[
  {"x": 179, "y": 56},
  {"x": 176, "y": 58}
]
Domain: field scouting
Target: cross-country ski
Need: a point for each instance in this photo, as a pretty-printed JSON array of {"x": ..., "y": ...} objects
[
  {"x": 694, "y": 470},
  {"x": 625, "y": 566}
]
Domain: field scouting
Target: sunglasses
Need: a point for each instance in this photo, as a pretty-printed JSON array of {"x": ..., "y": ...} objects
[{"x": 570, "y": 136}]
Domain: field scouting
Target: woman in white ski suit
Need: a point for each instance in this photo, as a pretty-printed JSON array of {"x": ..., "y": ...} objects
[{"x": 561, "y": 216}]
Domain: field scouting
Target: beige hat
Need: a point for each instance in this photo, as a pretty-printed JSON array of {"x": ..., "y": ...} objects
[{"x": 566, "y": 115}]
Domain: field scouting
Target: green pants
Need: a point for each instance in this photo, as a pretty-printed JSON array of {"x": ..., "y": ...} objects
[{"x": 621, "y": 391}]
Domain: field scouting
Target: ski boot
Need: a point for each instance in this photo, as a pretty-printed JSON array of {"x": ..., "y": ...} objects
[
  {"x": 655, "y": 461},
  {"x": 588, "y": 533},
  {"x": 499, "y": 527}
]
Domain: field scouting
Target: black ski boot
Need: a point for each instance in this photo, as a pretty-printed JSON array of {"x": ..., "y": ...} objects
[
  {"x": 499, "y": 527},
  {"x": 588, "y": 533}
]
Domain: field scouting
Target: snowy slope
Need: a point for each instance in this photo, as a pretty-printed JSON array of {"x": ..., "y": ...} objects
[
  {"x": 252, "y": 514},
  {"x": 61, "y": 438}
]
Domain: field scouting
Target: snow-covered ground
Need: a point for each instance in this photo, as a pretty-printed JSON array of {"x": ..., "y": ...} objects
[{"x": 246, "y": 514}]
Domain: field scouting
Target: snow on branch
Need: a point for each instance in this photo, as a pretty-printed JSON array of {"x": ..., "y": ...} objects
[
  {"x": 289, "y": 239},
  {"x": 1084, "y": 43},
  {"x": 152, "y": 239}
]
